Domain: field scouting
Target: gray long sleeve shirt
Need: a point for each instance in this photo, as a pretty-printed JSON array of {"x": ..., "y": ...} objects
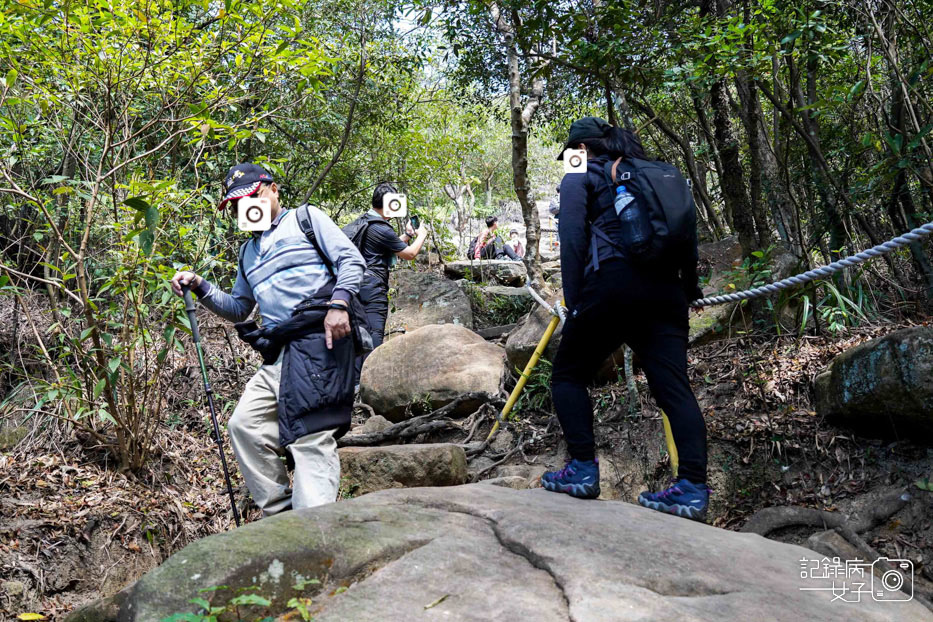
[{"x": 280, "y": 268}]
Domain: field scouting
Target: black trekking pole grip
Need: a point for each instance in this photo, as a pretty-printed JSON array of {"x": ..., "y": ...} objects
[{"x": 192, "y": 313}]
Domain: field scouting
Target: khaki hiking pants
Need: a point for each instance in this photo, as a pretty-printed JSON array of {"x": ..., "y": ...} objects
[{"x": 254, "y": 433}]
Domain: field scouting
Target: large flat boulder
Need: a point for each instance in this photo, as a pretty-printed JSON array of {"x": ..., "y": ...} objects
[
  {"x": 883, "y": 386},
  {"x": 423, "y": 298},
  {"x": 475, "y": 552},
  {"x": 500, "y": 271},
  {"x": 367, "y": 469},
  {"x": 430, "y": 367}
]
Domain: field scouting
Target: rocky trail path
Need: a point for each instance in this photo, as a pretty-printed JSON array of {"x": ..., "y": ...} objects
[{"x": 433, "y": 521}]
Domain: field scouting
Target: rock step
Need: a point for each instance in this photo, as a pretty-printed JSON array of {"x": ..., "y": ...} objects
[
  {"x": 428, "y": 368},
  {"x": 367, "y": 469},
  {"x": 494, "y": 332},
  {"x": 511, "y": 273},
  {"x": 480, "y": 552},
  {"x": 883, "y": 387},
  {"x": 422, "y": 298}
]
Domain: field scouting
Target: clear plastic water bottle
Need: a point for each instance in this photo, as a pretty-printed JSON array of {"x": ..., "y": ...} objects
[
  {"x": 623, "y": 198},
  {"x": 633, "y": 224}
]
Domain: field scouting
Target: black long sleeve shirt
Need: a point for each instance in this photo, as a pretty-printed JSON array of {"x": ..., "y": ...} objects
[{"x": 583, "y": 198}]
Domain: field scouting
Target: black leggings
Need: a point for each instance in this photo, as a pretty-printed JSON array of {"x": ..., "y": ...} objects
[{"x": 621, "y": 306}]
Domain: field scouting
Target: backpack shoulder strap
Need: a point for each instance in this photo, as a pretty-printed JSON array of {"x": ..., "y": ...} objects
[
  {"x": 242, "y": 252},
  {"x": 307, "y": 227},
  {"x": 364, "y": 230},
  {"x": 614, "y": 170}
]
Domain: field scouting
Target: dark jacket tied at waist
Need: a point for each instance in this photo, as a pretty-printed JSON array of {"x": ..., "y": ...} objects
[{"x": 316, "y": 387}]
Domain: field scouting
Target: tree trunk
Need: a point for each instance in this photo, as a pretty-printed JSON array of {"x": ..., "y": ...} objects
[
  {"x": 731, "y": 174},
  {"x": 520, "y": 117},
  {"x": 707, "y": 128},
  {"x": 773, "y": 192},
  {"x": 732, "y": 179},
  {"x": 837, "y": 236},
  {"x": 901, "y": 208},
  {"x": 902, "y": 212}
]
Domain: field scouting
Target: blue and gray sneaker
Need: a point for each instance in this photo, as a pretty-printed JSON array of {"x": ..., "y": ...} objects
[
  {"x": 577, "y": 479},
  {"x": 683, "y": 498}
]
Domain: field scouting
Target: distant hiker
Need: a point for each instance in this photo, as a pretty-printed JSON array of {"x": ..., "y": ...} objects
[
  {"x": 628, "y": 284},
  {"x": 554, "y": 209},
  {"x": 304, "y": 274},
  {"x": 515, "y": 244},
  {"x": 487, "y": 244},
  {"x": 554, "y": 206},
  {"x": 380, "y": 245}
]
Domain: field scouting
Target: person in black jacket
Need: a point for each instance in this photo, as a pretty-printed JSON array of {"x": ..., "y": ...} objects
[{"x": 612, "y": 301}]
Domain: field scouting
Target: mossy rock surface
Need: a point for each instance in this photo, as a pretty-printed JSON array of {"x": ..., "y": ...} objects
[
  {"x": 883, "y": 387},
  {"x": 480, "y": 552}
]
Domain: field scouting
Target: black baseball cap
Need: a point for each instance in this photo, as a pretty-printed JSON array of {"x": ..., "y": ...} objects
[
  {"x": 583, "y": 129},
  {"x": 243, "y": 180}
]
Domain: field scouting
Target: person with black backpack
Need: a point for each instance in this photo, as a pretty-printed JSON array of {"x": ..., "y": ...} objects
[
  {"x": 377, "y": 241},
  {"x": 487, "y": 244},
  {"x": 304, "y": 275},
  {"x": 628, "y": 264}
]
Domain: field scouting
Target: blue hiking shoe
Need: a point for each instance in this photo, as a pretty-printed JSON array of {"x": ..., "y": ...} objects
[
  {"x": 683, "y": 498},
  {"x": 577, "y": 479}
]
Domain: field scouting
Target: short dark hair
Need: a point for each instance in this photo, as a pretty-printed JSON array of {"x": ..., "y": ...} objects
[
  {"x": 382, "y": 188},
  {"x": 491, "y": 220}
]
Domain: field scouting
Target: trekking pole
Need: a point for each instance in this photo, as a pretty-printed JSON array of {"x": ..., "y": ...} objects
[
  {"x": 557, "y": 311},
  {"x": 671, "y": 447},
  {"x": 193, "y": 320}
]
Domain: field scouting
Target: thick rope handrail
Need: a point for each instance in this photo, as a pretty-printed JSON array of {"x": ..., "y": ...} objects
[{"x": 822, "y": 272}]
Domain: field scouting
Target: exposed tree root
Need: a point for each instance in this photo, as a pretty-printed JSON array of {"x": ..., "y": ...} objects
[
  {"x": 431, "y": 422},
  {"x": 770, "y": 519}
]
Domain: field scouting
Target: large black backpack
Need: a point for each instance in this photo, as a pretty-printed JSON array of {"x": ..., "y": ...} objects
[
  {"x": 664, "y": 198},
  {"x": 471, "y": 249},
  {"x": 357, "y": 229}
]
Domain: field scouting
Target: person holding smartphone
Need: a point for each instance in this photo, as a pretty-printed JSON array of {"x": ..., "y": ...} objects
[{"x": 380, "y": 245}]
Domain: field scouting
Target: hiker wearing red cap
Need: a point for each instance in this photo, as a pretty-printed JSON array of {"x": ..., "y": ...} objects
[{"x": 302, "y": 256}]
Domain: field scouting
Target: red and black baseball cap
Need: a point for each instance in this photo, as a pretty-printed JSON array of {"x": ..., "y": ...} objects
[{"x": 243, "y": 180}]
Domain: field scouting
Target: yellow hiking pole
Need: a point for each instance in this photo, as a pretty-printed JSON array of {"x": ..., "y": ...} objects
[
  {"x": 671, "y": 447},
  {"x": 557, "y": 311},
  {"x": 545, "y": 338}
]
